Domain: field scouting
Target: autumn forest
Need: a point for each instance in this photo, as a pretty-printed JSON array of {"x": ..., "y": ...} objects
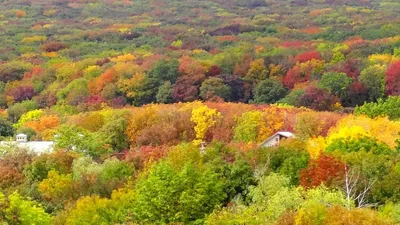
[{"x": 159, "y": 111}]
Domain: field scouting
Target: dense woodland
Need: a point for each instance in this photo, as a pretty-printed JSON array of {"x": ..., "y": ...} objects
[{"x": 130, "y": 90}]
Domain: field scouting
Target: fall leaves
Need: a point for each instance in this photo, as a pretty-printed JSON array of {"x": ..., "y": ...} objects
[{"x": 156, "y": 153}]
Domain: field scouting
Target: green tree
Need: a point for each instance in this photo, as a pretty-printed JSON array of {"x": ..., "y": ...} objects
[
  {"x": 193, "y": 194},
  {"x": 80, "y": 140},
  {"x": 60, "y": 161},
  {"x": 164, "y": 94},
  {"x": 74, "y": 93},
  {"x": 292, "y": 97},
  {"x": 29, "y": 116},
  {"x": 288, "y": 162},
  {"x": 165, "y": 70},
  {"x": 273, "y": 197},
  {"x": 115, "y": 210},
  {"x": 113, "y": 131},
  {"x": 14, "y": 209},
  {"x": 13, "y": 70},
  {"x": 389, "y": 107},
  {"x": 269, "y": 199},
  {"x": 269, "y": 91},
  {"x": 373, "y": 77},
  {"x": 257, "y": 71},
  {"x": 213, "y": 88},
  {"x": 336, "y": 83},
  {"x": 6, "y": 128},
  {"x": 374, "y": 170},
  {"x": 18, "y": 109},
  {"x": 367, "y": 144},
  {"x": 140, "y": 88},
  {"x": 247, "y": 126}
]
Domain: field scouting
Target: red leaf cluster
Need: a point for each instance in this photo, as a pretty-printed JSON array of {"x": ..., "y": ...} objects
[
  {"x": 393, "y": 79},
  {"x": 324, "y": 170}
]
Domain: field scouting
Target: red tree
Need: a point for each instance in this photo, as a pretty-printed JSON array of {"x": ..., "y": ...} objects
[
  {"x": 352, "y": 67},
  {"x": 296, "y": 75},
  {"x": 324, "y": 170},
  {"x": 357, "y": 94},
  {"x": 53, "y": 46},
  {"x": 140, "y": 156},
  {"x": 214, "y": 71},
  {"x": 393, "y": 79},
  {"x": 22, "y": 93},
  {"x": 307, "y": 56},
  {"x": 317, "y": 99}
]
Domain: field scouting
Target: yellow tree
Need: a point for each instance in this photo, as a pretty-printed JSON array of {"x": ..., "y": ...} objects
[
  {"x": 382, "y": 129},
  {"x": 143, "y": 117},
  {"x": 204, "y": 118},
  {"x": 273, "y": 121},
  {"x": 257, "y": 71},
  {"x": 315, "y": 146}
]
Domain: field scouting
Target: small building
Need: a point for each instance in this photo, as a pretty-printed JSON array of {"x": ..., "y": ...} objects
[
  {"x": 275, "y": 139},
  {"x": 38, "y": 147},
  {"x": 21, "y": 138},
  {"x": 21, "y": 141}
]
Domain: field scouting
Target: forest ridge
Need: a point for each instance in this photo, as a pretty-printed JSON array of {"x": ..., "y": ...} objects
[{"x": 82, "y": 54}]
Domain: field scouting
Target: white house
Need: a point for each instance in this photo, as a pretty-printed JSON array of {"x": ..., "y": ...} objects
[
  {"x": 21, "y": 138},
  {"x": 21, "y": 141},
  {"x": 275, "y": 139}
]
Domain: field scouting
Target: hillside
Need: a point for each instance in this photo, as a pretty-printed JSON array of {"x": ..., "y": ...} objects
[
  {"x": 318, "y": 54},
  {"x": 156, "y": 111}
]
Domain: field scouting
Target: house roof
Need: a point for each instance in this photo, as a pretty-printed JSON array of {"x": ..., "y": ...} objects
[
  {"x": 286, "y": 134},
  {"x": 22, "y": 135}
]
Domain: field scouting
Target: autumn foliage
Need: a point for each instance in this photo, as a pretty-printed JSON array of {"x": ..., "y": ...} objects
[
  {"x": 324, "y": 170},
  {"x": 157, "y": 111}
]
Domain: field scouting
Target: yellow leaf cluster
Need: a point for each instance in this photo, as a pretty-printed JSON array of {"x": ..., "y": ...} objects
[
  {"x": 126, "y": 68},
  {"x": 177, "y": 43},
  {"x": 316, "y": 65},
  {"x": 381, "y": 58},
  {"x": 204, "y": 118},
  {"x": 123, "y": 30},
  {"x": 257, "y": 70},
  {"x": 130, "y": 86},
  {"x": 141, "y": 52},
  {"x": 29, "y": 55},
  {"x": 352, "y": 132},
  {"x": 90, "y": 69},
  {"x": 198, "y": 51},
  {"x": 143, "y": 117},
  {"x": 381, "y": 128},
  {"x": 124, "y": 58},
  {"x": 50, "y": 54},
  {"x": 351, "y": 10},
  {"x": 55, "y": 185},
  {"x": 315, "y": 146},
  {"x": 273, "y": 121},
  {"x": 34, "y": 39},
  {"x": 49, "y": 12}
]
